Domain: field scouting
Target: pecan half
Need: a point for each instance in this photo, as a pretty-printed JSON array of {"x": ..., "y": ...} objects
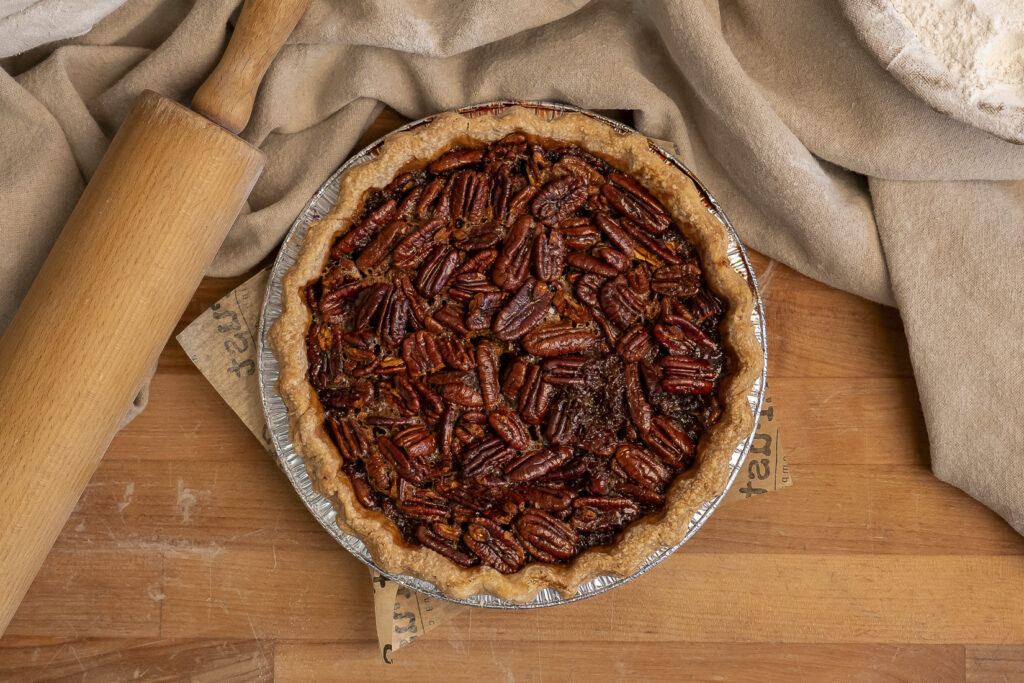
[
  {"x": 428, "y": 200},
  {"x": 563, "y": 422},
  {"x": 647, "y": 245},
  {"x": 408, "y": 205},
  {"x": 535, "y": 464},
  {"x": 451, "y": 316},
  {"x": 642, "y": 467},
  {"x": 587, "y": 288},
  {"x": 682, "y": 280},
  {"x": 614, "y": 231},
  {"x": 547, "y": 538},
  {"x": 548, "y": 255},
  {"x": 589, "y": 264},
  {"x": 510, "y": 428},
  {"x": 333, "y": 304},
  {"x": 394, "y": 318},
  {"x": 683, "y": 338},
  {"x": 669, "y": 442},
  {"x": 501, "y": 183},
  {"x": 512, "y": 266},
  {"x": 479, "y": 262},
  {"x": 634, "y": 344},
  {"x": 455, "y": 159},
  {"x": 580, "y": 237},
  {"x": 558, "y": 339},
  {"x": 683, "y": 375},
  {"x": 379, "y": 472},
  {"x": 481, "y": 309},
  {"x": 417, "y": 442},
  {"x": 478, "y": 237},
  {"x": 401, "y": 183},
  {"x": 370, "y": 304},
  {"x": 639, "y": 408},
  {"x": 412, "y": 249},
  {"x": 485, "y": 456},
  {"x": 348, "y": 436},
  {"x": 414, "y": 468},
  {"x": 443, "y": 546},
  {"x": 596, "y": 514},
  {"x": 640, "y": 494},
  {"x": 462, "y": 394},
  {"x": 437, "y": 268},
  {"x": 421, "y": 355},
  {"x": 447, "y": 431},
  {"x": 364, "y": 492},
  {"x": 473, "y": 282},
  {"x": 564, "y": 371},
  {"x": 640, "y": 194},
  {"x": 514, "y": 378},
  {"x": 520, "y": 201},
  {"x": 572, "y": 165},
  {"x": 704, "y": 305},
  {"x": 455, "y": 354},
  {"x": 523, "y": 312},
  {"x": 494, "y": 545},
  {"x": 382, "y": 244},
  {"x": 416, "y": 305},
  {"x": 434, "y": 404},
  {"x": 639, "y": 278},
  {"x": 360, "y": 234},
  {"x": 558, "y": 199},
  {"x": 421, "y": 504},
  {"x": 409, "y": 400},
  {"x": 487, "y": 372},
  {"x": 613, "y": 257},
  {"x": 554, "y": 499},
  {"x": 621, "y": 304},
  {"x": 629, "y": 205},
  {"x": 695, "y": 336},
  {"x": 535, "y": 396}
]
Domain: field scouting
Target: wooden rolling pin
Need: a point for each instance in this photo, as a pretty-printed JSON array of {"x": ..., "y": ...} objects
[{"x": 117, "y": 280}]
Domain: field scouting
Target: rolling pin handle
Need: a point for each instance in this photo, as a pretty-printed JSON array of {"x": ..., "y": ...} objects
[{"x": 227, "y": 95}]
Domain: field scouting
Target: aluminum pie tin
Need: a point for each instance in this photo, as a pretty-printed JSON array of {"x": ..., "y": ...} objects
[{"x": 277, "y": 414}]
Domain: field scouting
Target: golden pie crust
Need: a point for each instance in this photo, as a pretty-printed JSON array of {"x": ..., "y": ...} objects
[{"x": 628, "y": 151}]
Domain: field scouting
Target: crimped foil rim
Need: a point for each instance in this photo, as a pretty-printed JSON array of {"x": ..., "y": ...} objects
[{"x": 276, "y": 413}]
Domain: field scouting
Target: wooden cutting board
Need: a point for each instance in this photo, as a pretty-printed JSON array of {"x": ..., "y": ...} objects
[{"x": 189, "y": 553}]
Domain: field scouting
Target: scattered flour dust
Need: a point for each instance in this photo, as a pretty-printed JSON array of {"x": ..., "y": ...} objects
[
  {"x": 981, "y": 42},
  {"x": 129, "y": 491},
  {"x": 186, "y": 501}
]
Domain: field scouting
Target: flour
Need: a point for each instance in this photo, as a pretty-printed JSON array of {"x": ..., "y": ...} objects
[{"x": 980, "y": 42}]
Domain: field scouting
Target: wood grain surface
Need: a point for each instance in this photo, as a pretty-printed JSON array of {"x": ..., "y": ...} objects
[{"x": 190, "y": 556}]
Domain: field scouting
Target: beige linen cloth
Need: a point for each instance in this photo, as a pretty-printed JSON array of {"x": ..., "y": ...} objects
[
  {"x": 24, "y": 24},
  {"x": 820, "y": 157}
]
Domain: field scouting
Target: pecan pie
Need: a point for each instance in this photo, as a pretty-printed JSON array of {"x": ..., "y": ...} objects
[{"x": 515, "y": 353}]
